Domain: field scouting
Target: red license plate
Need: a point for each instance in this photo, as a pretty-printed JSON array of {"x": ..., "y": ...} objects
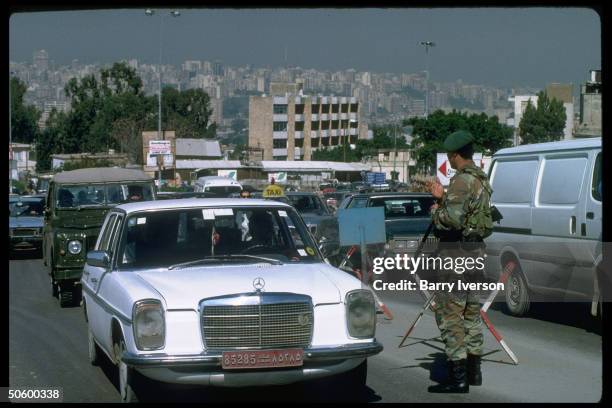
[{"x": 233, "y": 360}]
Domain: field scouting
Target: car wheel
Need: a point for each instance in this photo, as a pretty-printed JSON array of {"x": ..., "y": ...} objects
[
  {"x": 65, "y": 295},
  {"x": 93, "y": 349},
  {"x": 126, "y": 378},
  {"x": 517, "y": 294}
]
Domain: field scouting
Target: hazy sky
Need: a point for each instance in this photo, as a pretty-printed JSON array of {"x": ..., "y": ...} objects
[{"x": 502, "y": 47}]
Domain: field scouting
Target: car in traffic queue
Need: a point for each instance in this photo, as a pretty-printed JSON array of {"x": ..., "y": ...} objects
[
  {"x": 221, "y": 292},
  {"x": 26, "y": 221},
  {"x": 77, "y": 202},
  {"x": 219, "y": 186},
  {"x": 311, "y": 207},
  {"x": 407, "y": 217}
]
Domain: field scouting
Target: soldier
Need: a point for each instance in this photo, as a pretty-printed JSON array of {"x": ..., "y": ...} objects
[{"x": 462, "y": 218}]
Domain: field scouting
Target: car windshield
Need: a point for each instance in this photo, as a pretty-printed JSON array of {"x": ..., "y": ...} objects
[
  {"x": 27, "y": 208},
  {"x": 307, "y": 204},
  {"x": 168, "y": 238},
  {"x": 73, "y": 196},
  {"x": 401, "y": 207}
]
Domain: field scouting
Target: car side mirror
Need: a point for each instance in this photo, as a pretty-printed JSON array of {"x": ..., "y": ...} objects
[{"x": 99, "y": 259}]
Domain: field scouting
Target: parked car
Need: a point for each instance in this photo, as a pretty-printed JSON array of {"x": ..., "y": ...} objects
[
  {"x": 550, "y": 197},
  {"x": 26, "y": 223},
  {"x": 77, "y": 202},
  {"x": 407, "y": 216},
  {"x": 311, "y": 207},
  {"x": 222, "y": 292},
  {"x": 219, "y": 186}
]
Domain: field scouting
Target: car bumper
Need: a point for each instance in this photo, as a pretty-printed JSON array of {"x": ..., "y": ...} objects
[
  {"x": 205, "y": 368},
  {"x": 25, "y": 243}
]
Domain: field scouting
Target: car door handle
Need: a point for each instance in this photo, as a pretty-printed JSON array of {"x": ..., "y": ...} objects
[
  {"x": 572, "y": 225},
  {"x": 590, "y": 215}
]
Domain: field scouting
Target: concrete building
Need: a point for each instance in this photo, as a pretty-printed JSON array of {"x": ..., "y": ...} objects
[
  {"x": 40, "y": 60},
  {"x": 389, "y": 160},
  {"x": 289, "y": 125},
  {"x": 21, "y": 156},
  {"x": 520, "y": 103},
  {"x": 589, "y": 124}
]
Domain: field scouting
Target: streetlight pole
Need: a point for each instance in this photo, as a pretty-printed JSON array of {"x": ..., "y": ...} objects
[
  {"x": 427, "y": 44},
  {"x": 160, "y": 135},
  {"x": 395, "y": 151}
]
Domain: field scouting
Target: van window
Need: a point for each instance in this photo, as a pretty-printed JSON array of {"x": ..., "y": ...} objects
[
  {"x": 562, "y": 180},
  {"x": 596, "y": 186},
  {"x": 513, "y": 180}
]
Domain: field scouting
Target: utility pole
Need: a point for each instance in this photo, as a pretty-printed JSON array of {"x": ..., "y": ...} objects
[
  {"x": 10, "y": 140},
  {"x": 427, "y": 44},
  {"x": 395, "y": 151}
]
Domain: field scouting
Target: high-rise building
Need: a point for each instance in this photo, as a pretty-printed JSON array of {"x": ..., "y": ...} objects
[
  {"x": 218, "y": 68},
  {"x": 590, "y": 107},
  {"x": 289, "y": 125},
  {"x": 40, "y": 59}
]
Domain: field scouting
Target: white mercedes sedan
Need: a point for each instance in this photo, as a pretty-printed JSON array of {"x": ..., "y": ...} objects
[{"x": 222, "y": 292}]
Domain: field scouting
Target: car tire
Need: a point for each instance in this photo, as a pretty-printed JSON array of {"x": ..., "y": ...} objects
[
  {"x": 65, "y": 295},
  {"x": 94, "y": 351},
  {"x": 127, "y": 376},
  {"x": 517, "y": 294}
]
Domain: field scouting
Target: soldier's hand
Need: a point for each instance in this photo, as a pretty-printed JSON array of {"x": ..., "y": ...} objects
[
  {"x": 433, "y": 207},
  {"x": 436, "y": 190}
]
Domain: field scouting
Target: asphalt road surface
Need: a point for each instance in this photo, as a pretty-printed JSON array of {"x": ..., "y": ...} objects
[{"x": 558, "y": 347}]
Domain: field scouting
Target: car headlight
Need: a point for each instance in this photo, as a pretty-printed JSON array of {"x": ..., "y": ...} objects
[
  {"x": 361, "y": 314},
  {"x": 75, "y": 247},
  {"x": 149, "y": 326}
]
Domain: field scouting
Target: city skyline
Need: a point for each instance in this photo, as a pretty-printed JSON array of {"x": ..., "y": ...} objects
[{"x": 522, "y": 48}]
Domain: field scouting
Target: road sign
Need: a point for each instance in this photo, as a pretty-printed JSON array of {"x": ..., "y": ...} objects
[
  {"x": 445, "y": 172},
  {"x": 233, "y": 174},
  {"x": 160, "y": 147},
  {"x": 280, "y": 177}
]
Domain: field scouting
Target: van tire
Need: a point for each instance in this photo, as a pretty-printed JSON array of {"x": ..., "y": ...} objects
[{"x": 517, "y": 294}]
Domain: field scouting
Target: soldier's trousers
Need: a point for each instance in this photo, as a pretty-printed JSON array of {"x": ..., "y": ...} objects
[{"x": 458, "y": 318}]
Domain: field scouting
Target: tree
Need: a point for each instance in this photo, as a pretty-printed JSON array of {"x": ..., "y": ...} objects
[
  {"x": 429, "y": 134},
  {"x": 188, "y": 113},
  {"x": 24, "y": 118},
  {"x": 544, "y": 123}
]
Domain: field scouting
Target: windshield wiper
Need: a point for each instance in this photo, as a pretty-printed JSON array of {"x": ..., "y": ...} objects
[{"x": 224, "y": 257}]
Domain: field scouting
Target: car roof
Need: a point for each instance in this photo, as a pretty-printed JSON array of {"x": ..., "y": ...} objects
[
  {"x": 551, "y": 146},
  {"x": 297, "y": 193},
  {"x": 197, "y": 203},
  {"x": 100, "y": 175}
]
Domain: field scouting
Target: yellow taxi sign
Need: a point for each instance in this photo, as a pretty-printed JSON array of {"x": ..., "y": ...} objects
[{"x": 273, "y": 190}]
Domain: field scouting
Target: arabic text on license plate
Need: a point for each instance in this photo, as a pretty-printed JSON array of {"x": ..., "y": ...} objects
[{"x": 262, "y": 358}]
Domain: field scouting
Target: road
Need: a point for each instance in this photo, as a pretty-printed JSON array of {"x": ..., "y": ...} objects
[{"x": 558, "y": 346}]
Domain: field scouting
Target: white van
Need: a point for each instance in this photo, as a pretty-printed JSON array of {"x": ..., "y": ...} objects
[
  {"x": 550, "y": 197},
  {"x": 219, "y": 186}
]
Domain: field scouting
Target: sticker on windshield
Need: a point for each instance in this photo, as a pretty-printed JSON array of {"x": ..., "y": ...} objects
[
  {"x": 223, "y": 211},
  {"x": 301, "y": 252},
  {"x": 282, "y": 213},
  {"x": 141, "y": 220},
  {"x": 310, "y": 251},
  {"x": 208, "y": 214}
]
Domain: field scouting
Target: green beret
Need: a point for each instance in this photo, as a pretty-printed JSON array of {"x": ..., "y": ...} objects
[{"x": 457, "y": 140}]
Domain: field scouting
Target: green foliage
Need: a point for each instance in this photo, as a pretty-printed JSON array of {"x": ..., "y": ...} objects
[
  {"x": 23, "y": 118},
  {"x": 429, "y": 134},
  {"x": 187, "y": 112},
  {"x": 112, "y": 112},
  {"x": 544, "y": 123},
  {"x": 86, "y": 163}
]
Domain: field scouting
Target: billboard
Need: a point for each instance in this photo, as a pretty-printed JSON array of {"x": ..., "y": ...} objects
[
  {"x": 445, "y": 172},
  {"x": 233, "y": 174}
]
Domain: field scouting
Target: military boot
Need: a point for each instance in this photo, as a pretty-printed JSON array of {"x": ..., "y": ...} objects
[
  {"x": 457, "y": 381},
  {"x": 473, "y": 370}
]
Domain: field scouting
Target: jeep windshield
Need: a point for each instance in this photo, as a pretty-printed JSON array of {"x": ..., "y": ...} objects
[
  {"x": 95, "y": 195},
  {"x": 27, "y": 208},
  {"x": 178, "y": 238}
]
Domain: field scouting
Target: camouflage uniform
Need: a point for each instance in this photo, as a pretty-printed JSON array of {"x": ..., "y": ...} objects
[{"x": 458, "y": 312}]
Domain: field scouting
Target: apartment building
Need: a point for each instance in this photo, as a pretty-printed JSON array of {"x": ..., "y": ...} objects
[{"x": 289, "y": 125}]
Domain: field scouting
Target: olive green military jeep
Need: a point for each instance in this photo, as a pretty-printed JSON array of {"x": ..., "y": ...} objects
[{"x": 77, "y": 202}]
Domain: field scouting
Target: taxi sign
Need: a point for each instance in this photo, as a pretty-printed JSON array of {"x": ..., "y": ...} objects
[{"x": 273, "y": 190}]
